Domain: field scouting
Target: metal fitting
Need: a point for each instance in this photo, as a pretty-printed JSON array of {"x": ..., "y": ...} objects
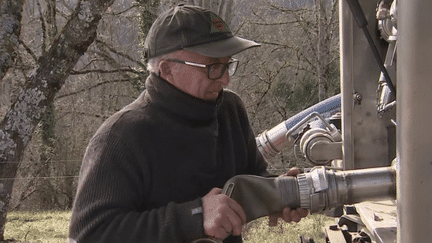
[
  {"x": 321, "y": 146},
  {"x": 387, "y": 18},
  {"x": 323, "y": 189},
  {"x": 271, "y": 142}
]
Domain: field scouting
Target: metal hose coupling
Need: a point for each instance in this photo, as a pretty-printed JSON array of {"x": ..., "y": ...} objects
[
  {"x": 319, "y": 190},
  {"x": 271, "y": 142},
  {"x": 322, "y": 189}
]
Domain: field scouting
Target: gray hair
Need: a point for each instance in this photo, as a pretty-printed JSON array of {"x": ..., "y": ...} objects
[{"x": 153, "y": 63}]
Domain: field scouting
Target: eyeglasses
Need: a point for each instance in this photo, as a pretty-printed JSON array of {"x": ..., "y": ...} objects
[{"x": 215, "y": 70}]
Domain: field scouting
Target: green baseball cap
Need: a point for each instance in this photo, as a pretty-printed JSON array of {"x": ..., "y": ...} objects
[{"x": 194, "y": 29}]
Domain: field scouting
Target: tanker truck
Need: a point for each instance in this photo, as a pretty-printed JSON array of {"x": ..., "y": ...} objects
[{"x": 369, "y": 145}]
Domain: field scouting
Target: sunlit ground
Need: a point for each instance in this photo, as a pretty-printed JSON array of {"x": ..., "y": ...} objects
[
  {"x": 46, "y": 227},
  {"x": 52, "y": 227}
]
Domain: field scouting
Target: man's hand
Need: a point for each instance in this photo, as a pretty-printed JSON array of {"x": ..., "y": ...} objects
[
  {"x": 222, "y": 215},
  {"x": 289, "y": 215}
]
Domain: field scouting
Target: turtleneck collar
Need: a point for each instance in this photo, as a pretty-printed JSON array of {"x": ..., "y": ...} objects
[{"x": 163, "y": 94}]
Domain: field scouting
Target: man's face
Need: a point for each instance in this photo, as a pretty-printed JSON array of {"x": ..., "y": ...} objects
[{"x": 194, "y": 80}]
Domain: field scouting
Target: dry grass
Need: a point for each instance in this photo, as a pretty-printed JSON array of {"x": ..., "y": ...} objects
[
  {"x": 52, "y": 227},
  {"x": 38, "y": 227},
  {"x": 311, "y": 226}
]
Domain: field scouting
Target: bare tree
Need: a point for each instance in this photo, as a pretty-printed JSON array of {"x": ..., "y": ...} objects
[
  {"x": 296, "y": 66},
  {"x": 326, "y": 12},
  {"x": 10, "y": 28},
  {"x": 223, "y": 8},
  {"x": 108, "y": 76},
  {"x": 16, "y": 129}
]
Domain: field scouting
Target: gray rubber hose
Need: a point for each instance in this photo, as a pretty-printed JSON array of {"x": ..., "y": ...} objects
[{"x": 262, "y": 196}]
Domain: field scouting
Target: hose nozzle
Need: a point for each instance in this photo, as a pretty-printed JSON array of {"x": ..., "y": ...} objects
[{"x": 319, "y": 190}]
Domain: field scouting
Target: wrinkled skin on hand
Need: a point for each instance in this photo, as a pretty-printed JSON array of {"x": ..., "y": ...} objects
[
  {"x": 223, "y": 216},
  {"x": 289, "y": 215}
]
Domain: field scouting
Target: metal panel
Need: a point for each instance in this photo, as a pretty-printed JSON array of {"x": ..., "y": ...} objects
[
  {"x": 380, "y": 220},
  {"x": 335, "y": 235},
  {"x": 364, "y": 135},
  {"x": 414, "y": 116}
]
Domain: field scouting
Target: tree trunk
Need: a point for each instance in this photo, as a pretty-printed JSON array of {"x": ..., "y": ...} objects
[
  {"x": 323, "y": 50},
  {"x": 10, "y": 28},
  {"x": 53, "y": 68},
  {"x": 47, "y": 194}
]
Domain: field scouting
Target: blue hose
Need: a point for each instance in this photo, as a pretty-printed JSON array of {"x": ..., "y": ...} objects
[
  {"x": 326, "y": 108},
  {"x": 272, "y": 141}
]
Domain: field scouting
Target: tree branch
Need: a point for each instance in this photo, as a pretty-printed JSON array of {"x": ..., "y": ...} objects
[
  {"x": 84, "y": 114},
  {"x": 93, "y": 87},
  {"x": 66, "y": 5},
  {"x": 10, "y": 29},
  {"x": 278, "y": 23},
  {"x": 106, "y": 71},
  {"x": 29, "y": 51},
  {"x": 134, "y": 5},
  {"x": 111, "y": 49},
  {"x": 43, "y": 27},
  {"x": 276, "y": 44}
]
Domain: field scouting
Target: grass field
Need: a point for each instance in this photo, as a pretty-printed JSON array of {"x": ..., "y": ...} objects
[
  {"x": 43, "y": 227},
  {"x": 311, "y": 226},
  {"x": 52, "y": 227}
]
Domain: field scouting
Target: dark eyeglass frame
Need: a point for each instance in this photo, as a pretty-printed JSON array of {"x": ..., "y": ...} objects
[{"x": 231, "y": 66}]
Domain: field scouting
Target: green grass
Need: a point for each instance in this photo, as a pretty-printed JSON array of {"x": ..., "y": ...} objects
[{"x": 52, "y": 227}]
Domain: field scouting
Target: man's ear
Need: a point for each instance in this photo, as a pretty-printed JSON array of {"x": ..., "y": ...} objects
[{"x": 165, "y": 70}]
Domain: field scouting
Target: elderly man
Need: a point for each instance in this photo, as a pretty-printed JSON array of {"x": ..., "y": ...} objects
[{"x": 153, "y": 171}]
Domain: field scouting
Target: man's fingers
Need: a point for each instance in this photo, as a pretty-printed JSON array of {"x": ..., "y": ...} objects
[
  {"x": 293, "y": 172},
  {"x": 238, "y": 210},
  {"x": 221, "y": 233},
  {"x": 286, "y": 215},
  {"x": 290, "y": 215},
  {"x": 237, "y": 217},
  {"x": 295, "y": 216},
  {"x": 273, "y": 219},
  {"x": 234, "y": 225},
  {"x": 228, "y": 225},
  {"x": 303, "y": 212}
]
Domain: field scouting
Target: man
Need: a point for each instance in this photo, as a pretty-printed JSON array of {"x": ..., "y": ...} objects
[{"x": 153, "y": 171}]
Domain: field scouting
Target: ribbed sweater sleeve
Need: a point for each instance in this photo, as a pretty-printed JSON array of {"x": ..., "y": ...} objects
[{"x": 112, "y": 208}]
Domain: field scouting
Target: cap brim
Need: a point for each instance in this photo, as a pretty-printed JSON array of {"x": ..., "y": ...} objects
[{"x": 223, "y": 48}]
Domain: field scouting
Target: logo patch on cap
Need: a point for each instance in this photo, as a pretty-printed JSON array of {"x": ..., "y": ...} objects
[{"x": 217, "y": 24}]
